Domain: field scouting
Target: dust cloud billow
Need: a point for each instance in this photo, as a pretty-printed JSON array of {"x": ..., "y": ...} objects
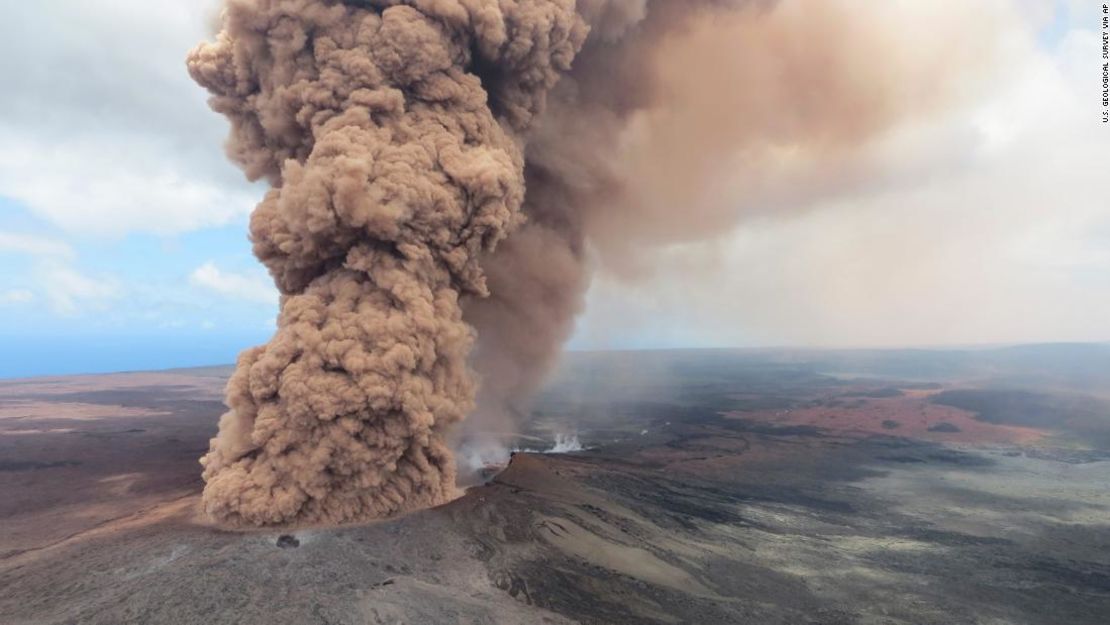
[{"x": 446, "y": 174}]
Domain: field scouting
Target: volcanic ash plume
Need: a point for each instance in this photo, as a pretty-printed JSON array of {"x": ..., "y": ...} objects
[
  {"x": 399, "y": 137},
  {"x": 391, "y": 176},
  {"x": 680, "y": 119}
]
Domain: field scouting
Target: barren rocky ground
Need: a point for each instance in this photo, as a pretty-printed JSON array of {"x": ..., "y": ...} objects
[{"x": 716, "y": 487}]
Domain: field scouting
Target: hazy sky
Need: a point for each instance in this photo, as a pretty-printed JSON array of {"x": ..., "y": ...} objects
[{"x": 123, "y": 226}]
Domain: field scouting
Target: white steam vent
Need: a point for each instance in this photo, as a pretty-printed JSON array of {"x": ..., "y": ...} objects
[{"x": 566, "y": 443}]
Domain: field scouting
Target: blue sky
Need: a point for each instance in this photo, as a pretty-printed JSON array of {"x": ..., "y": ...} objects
[
  {"x": 123, "y": 227},
  {"x": 128, "y": 301}
]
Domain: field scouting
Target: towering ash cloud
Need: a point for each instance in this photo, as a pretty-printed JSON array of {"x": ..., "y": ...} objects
[
  {"x": 400, "y": 136},
  {"x": 391, "y": 175}
]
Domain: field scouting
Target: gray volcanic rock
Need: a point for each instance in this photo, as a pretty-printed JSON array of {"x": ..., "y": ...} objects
[{"x": 707, "y": 495}]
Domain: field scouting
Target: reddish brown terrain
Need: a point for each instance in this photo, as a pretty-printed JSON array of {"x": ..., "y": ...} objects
[{"x": 911, "y": 414}]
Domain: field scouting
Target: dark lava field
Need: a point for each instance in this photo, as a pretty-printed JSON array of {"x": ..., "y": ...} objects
[{"x": 902, "y": 487}]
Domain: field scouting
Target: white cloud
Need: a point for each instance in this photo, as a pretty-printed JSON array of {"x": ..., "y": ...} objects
[
  {"x": 95, "y": 188},
  {"x": 69, "y": 291},
  {"x": 16, "y": 296},
  {"x": 253, "y": 288},
  {"x": 103, "y": 130},
  {"x": 66, "y": 290},
  {"x": 34, "y": 245}
]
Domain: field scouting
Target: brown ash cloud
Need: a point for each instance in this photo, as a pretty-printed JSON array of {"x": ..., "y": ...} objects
[{"x": 445, "y": 177}]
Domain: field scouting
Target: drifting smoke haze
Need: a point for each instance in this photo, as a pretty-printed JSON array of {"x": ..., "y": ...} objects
[
  {"x": 681, "y": 119},
  {"x": 446, "y": 176}
]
